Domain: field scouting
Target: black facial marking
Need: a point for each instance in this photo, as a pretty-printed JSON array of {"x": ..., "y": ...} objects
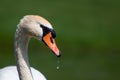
[
  {"x": 53, "y": 33},
  {"x": 46, "y": 30}
]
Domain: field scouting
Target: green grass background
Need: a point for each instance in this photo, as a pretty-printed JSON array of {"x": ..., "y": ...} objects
[{"x": 88, "y": 35}]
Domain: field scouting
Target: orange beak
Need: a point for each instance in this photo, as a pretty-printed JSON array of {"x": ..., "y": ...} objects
[{"x": 50, "y": 42}]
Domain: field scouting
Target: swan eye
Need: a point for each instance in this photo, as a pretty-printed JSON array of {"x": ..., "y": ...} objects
[{"x": 46, "y": 30}]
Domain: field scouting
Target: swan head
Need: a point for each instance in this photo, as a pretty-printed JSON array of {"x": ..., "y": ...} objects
[{"x": 41, "y": 29}]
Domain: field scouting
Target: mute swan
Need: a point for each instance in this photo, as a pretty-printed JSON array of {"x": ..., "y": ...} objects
[{"x": 30, "y": 26}]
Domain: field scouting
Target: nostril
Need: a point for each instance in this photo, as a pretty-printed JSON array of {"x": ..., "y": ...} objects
[{"x": 51, "y": 40}]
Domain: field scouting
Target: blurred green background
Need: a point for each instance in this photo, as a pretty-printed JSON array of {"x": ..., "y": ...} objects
[{"x": 88, "y": 35}]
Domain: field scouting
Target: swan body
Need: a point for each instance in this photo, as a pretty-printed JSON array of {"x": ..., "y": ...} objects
[
  {"x": 30, "y": 26},
  {"x": 10, "y": 73}
]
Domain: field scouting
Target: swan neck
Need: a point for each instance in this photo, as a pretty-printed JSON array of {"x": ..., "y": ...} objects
[{"x": 21, "y": 47}]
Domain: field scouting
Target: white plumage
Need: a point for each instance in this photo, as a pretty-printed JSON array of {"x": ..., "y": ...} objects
[{"x": 10, "y": 73}]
